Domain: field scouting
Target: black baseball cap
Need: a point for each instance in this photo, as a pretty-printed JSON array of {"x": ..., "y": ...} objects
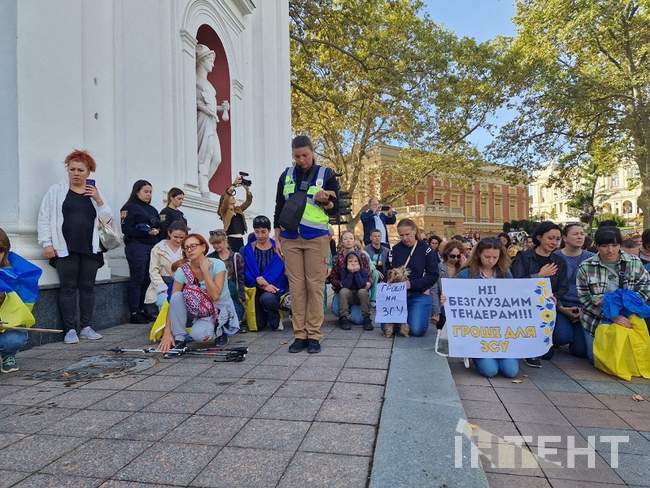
[{"x": 261, "y": 222}]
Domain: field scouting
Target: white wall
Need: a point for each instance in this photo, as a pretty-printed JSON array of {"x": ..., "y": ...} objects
[{"x": 109, "y": 76}]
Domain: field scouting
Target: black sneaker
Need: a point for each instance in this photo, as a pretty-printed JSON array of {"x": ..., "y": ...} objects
[
  {"x": 313, "y": 346},
  {"x": 243, "y": 329},
  {"x": 533, "y": 362},
  {"x": 222, "y": 340},
  {"x": 138, "y": 318},
  {"x": 298, "y": 345},
  {"x": 148, "y": 316},
  {"x": 367, "y": 324},
  {"x": 344, "y": 323}
]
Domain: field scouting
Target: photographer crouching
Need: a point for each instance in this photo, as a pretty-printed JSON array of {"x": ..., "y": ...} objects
[{"x": 232, "y": 214}]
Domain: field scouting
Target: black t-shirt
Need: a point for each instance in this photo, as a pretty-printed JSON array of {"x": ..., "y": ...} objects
[
  {"x": 79, "y": 216},
  {"x": 542, "y": 260},
  {"x": 263, "y": 258},
  {"x": 237, "y": 225},
  {"x": 167, "y": 216}
]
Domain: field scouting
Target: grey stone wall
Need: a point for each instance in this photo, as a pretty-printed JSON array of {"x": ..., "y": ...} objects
[{"x": 111, "y": 308}]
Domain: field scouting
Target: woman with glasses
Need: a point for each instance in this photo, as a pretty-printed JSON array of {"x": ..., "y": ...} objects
[
  {"x": 422, "y": 262},
  {"x": 235, "y": 266},
  {"x": 141, "y": 229},
  {"x": 490, "y": 261},
  {"x": 199, "y": 291},
  {"x": 453, "y": 260}
]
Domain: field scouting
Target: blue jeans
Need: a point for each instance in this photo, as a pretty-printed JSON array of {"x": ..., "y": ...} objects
[
  {"x": 12, "y": 341},
  {"x": 589, "y": 345},
  {"x": 490, "y": 367},
  {"x": 419, "y": 312},
  {"x": 567, "y": 332}
]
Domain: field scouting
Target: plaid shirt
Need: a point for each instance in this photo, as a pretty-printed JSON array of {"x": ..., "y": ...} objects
[{"x": 592, "y": 283}]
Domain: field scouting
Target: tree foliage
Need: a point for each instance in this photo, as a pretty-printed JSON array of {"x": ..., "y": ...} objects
[
  {"x": 581, "y": 88},
  {"x": 366, "y": 73}
]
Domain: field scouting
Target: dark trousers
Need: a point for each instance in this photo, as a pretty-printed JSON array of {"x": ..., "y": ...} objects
[
  {"x": 235, "y": 243},
  {"x": 267, "y": 309},
  {"x": 138, "y": 256},
  {"x": 77, "y": 273}
]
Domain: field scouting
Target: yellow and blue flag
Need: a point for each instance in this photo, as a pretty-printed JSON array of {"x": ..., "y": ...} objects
[{"x": 19, "y": 281}]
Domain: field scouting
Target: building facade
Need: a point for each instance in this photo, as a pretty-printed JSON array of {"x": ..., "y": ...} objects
[
  {"x": 118, "y": 78},
  {"x": 615, "y": 194},
  {"x": 449, "y": 207}
]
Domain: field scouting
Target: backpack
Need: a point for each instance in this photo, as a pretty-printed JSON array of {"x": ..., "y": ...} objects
[{"x": 198, "y": 302}]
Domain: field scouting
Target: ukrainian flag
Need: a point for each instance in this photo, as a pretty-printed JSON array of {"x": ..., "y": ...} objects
[{"x": 20, "y": 283}]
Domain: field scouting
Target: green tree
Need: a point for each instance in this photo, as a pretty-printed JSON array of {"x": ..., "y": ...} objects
[
  {"x": 581, "y": 86},
  {"x": 365, "y": 73}
]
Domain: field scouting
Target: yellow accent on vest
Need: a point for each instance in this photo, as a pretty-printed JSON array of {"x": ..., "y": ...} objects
[{"x": 314, "y": 215}]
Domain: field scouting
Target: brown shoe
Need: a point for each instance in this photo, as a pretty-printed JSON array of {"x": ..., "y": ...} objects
[
  {"x": 404, "y": 330},
  {"x": 388, "y": 331}
]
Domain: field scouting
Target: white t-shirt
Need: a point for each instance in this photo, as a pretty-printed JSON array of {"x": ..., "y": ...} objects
[{"x": 379, "y": 225}]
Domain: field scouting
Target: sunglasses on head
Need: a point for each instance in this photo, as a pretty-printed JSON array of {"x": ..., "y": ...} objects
[{"x": 217, "y": 232}]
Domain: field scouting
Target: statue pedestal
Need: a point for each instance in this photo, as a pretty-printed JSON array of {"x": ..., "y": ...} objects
[{"x": 25, "y": 244}]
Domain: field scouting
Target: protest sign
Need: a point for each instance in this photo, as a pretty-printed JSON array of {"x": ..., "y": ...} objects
[
  {"x": 500, "y": 318},
  {"x": 391, "y": 303}
]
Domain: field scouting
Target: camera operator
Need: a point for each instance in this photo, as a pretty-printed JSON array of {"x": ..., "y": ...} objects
[
  {"x": 377, "y": 217},
  {"x": 232, "y": 215}
]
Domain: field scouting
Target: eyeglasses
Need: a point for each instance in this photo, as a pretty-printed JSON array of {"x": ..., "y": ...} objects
[{"x": 191, "y": 247}]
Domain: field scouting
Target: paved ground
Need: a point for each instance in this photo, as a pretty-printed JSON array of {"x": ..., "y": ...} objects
[
  {"x": 277, "y": 419},
  {"x": 567, "y": 397}
]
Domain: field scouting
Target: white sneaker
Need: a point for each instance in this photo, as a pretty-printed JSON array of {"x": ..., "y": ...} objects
[
  {"x": 90, "y": 334},
  {"x": 71, "y": 337}
]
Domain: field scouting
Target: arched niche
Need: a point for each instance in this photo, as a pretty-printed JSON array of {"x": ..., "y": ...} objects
[{"x": 220, "y": 79}]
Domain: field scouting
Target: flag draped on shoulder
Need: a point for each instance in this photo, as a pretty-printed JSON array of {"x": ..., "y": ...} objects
[{"x": 19, "y": 282}]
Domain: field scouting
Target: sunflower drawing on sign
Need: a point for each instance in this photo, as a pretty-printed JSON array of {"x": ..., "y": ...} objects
[{"x": 546, "y": 307}]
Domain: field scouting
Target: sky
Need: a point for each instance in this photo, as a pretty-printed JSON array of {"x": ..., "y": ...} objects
[{"x": 482, "y": 20}]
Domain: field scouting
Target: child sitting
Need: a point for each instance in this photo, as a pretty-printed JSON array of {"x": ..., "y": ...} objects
[{"x": 355, "y": 289}]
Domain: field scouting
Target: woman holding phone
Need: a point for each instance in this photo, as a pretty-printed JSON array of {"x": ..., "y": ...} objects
[{"x": 67, "y": 231}]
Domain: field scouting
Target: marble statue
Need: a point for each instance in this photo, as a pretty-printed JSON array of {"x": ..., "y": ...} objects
[{"x": 209, "y": 149}]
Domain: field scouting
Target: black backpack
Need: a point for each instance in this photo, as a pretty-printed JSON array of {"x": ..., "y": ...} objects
[{"x": 294, "y": 206}]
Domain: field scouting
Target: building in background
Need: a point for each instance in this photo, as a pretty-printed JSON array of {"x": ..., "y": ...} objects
[
  {"x": 615, "y": 194},
  {"x": 118, "y": 78},
  {"x": 449, "y": 207}
]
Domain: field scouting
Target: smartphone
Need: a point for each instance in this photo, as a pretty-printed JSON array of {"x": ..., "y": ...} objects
[{"x": 90, "y": 182}]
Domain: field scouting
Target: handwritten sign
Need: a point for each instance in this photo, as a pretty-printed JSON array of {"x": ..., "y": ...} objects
[
  {"x": 391, "y": 303},
  {"x": 500, "y": 318}
]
